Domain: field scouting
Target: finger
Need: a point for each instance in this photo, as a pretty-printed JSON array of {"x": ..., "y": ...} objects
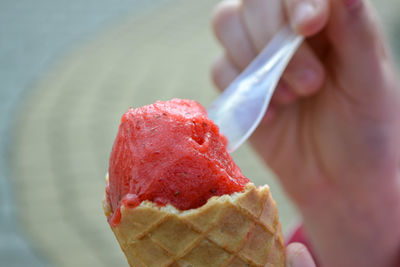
[
  {"x": 305, "y": 73},
  {"x": 262, "y": 20},
  {"x": 307, "y": 17},
  {"x": 229, "y": 29},
  {"x": 297, "y": 255},
  {"x": 357, "y": 43},
  {"x": 283, "y": 95},
  {"x": 223, "y": 72}
]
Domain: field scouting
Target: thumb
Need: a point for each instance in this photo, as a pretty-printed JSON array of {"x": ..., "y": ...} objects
[
  {"x": 297, "y": 255},
  {"x": 358, "y": 48}
]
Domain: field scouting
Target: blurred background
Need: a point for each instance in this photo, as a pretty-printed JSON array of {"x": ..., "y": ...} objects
[{"x": 68, "y": 70}]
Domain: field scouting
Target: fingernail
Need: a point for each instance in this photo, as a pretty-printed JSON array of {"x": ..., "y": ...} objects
[{"x": 303, "y": 12}]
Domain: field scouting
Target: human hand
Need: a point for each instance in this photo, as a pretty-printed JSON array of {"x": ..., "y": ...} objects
[{"x": 332, "y": 132}]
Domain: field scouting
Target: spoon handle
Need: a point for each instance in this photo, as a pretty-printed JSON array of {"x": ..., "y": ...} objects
[
  {"x": 240, "y": 108},
  {"x": 274, "y": 58}
]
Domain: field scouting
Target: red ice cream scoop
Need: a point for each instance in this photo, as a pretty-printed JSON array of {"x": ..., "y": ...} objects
[{"x": 169, "y": 152}]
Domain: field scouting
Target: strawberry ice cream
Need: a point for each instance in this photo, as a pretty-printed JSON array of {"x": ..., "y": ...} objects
[{"x": 169, "y": 153}]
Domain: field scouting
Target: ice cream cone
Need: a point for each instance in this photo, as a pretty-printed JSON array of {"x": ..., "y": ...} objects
[{"x": 241, "y": 229}]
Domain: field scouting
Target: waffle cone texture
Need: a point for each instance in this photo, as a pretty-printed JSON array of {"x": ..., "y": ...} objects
[{"x": 241, "y": 229}]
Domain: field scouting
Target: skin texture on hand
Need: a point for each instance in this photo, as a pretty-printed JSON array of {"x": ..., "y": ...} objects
[{"x": 332, "y": 132}]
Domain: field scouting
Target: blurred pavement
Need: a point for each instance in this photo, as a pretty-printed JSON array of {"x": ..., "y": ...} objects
[{"x": 33, "y": 34}]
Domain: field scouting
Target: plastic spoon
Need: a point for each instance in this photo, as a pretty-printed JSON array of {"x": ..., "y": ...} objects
[{"x": 240, "y": 108}]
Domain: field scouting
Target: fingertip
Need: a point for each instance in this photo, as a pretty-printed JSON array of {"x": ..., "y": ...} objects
[
  {"x": 313, "y": 25},
  {"x": 310, "y": 80},
  {"x": 305, "y": 74},
  {"x": 297, "y": 255},
  {"x": 308, "y": 17}
]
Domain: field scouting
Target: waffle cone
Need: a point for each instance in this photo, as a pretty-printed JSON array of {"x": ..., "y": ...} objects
[{"x": 241, "y": 229}]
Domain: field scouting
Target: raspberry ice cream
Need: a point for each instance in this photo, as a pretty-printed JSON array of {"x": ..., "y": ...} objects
[{"x": 169, "y": 153}]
